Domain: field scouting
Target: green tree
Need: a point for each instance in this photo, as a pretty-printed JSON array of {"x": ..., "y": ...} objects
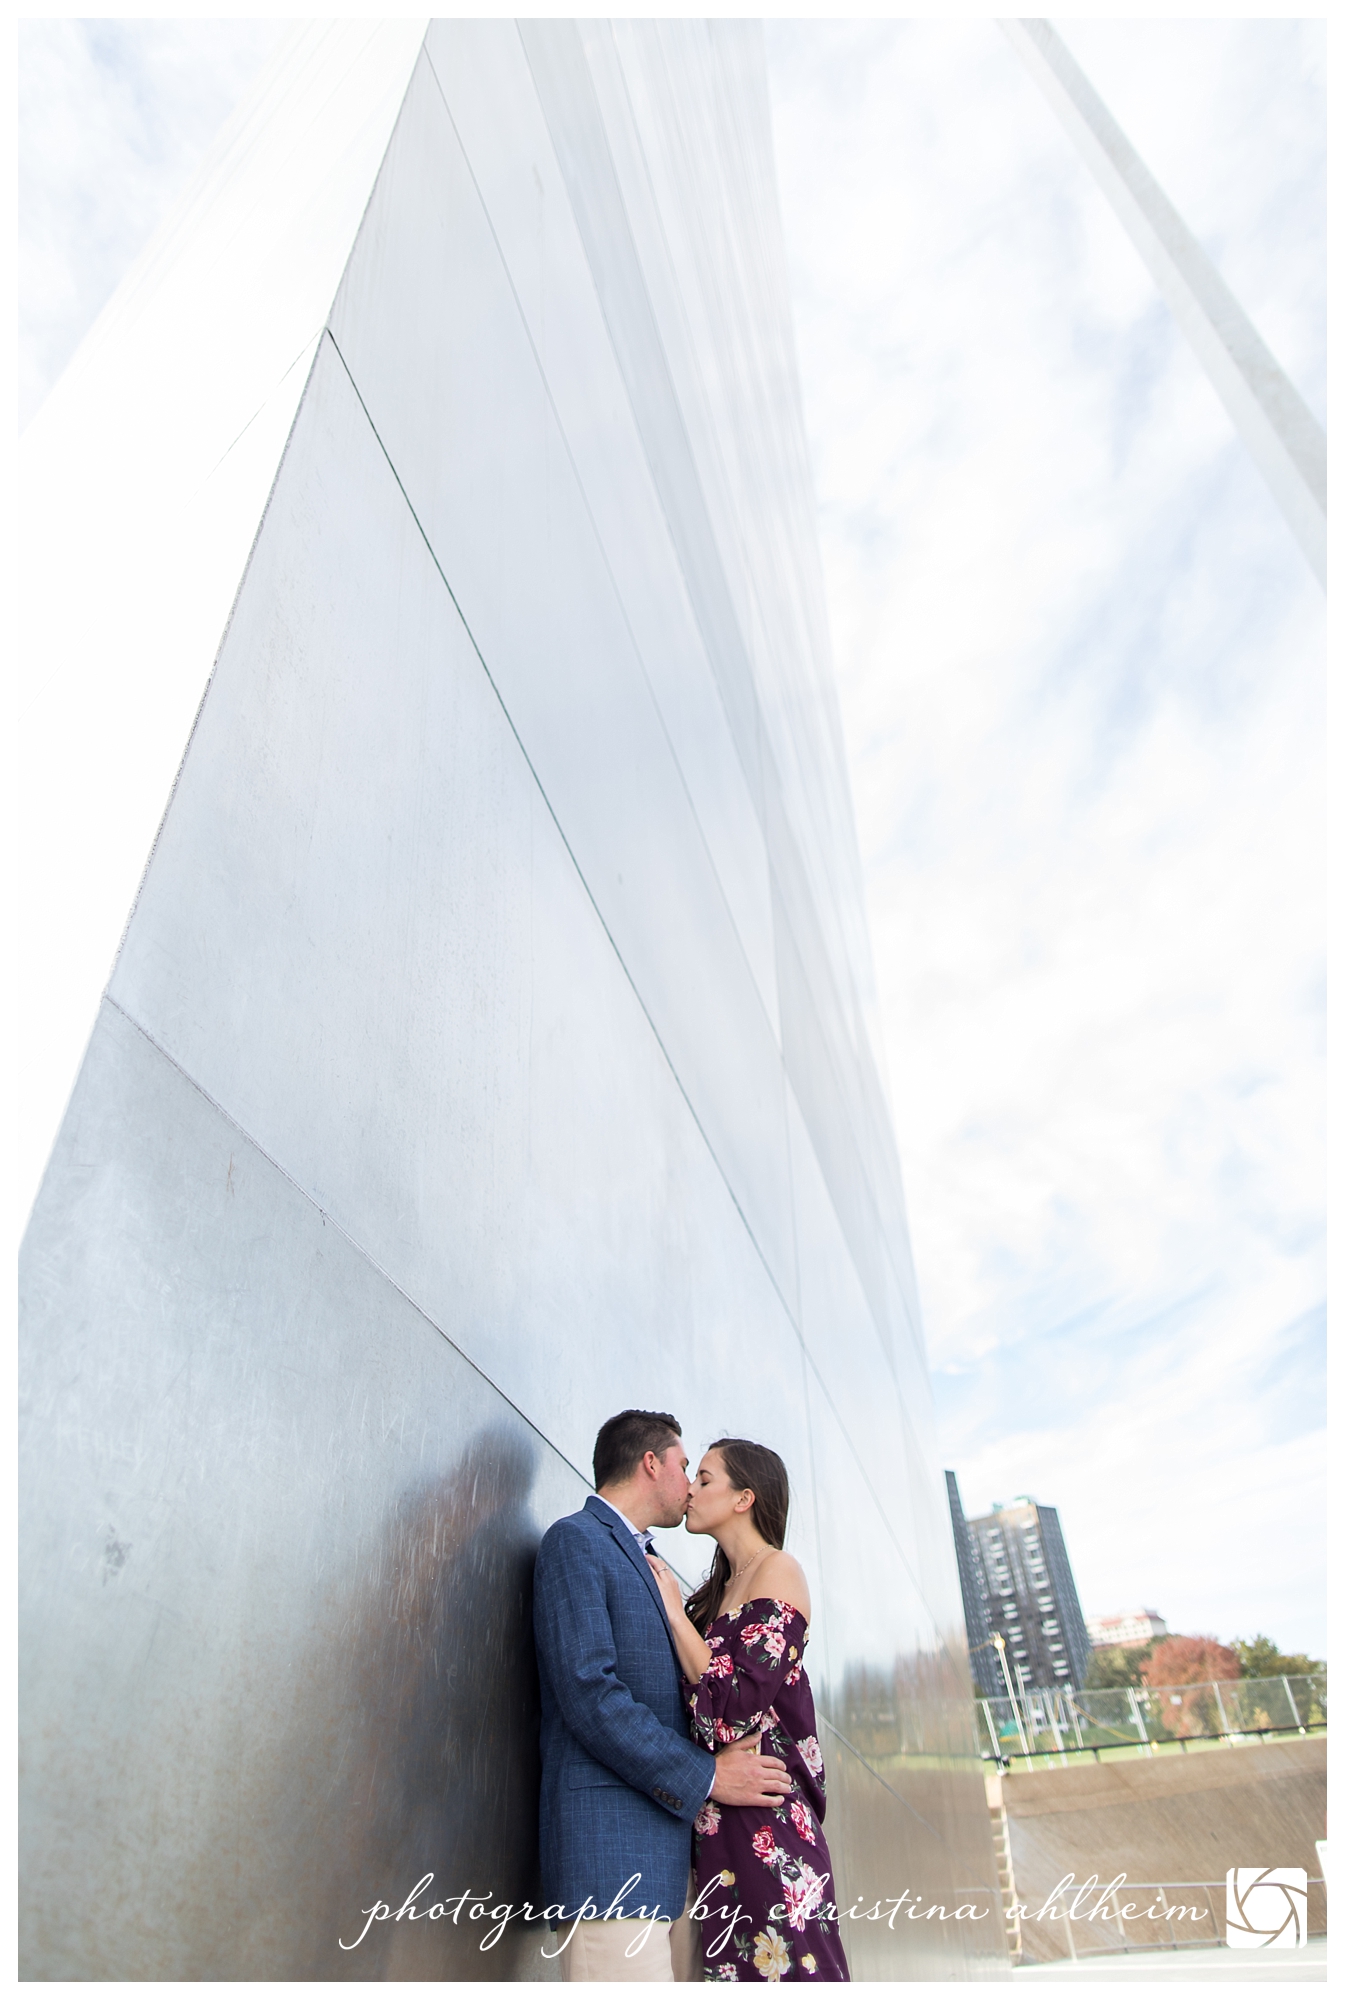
[
  {"x": 1262, "y": 1660},
  {"x": 1118, "y": 1666}
]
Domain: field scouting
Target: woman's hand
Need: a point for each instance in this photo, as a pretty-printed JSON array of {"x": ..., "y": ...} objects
[
  {"x": 692, "y": 1651},
  {"x": 670, "y": 1590}
]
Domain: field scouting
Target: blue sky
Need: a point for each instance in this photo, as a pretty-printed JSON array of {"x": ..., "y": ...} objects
[{"x": 1082, "y": 675}]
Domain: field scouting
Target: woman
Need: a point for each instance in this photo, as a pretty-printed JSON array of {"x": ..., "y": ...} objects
[{"x": 740, "y": 1640}]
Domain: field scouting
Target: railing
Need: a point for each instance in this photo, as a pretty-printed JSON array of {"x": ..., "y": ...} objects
[
  {"x": 1179, "y": 1916},
  {"x": 1061, "y": 1724}
]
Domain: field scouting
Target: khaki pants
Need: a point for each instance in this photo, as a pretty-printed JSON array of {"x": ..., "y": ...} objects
[{"x": 597, "y": 1951}]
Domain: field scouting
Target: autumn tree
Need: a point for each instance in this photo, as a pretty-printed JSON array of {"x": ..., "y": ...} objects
[
  {"x": 1176, "y": 1662},
  {"x": 1179, "y": 1663}
]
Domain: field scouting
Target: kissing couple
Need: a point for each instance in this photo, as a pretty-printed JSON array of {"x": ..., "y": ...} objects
[{"x": 671, "y": 1725}]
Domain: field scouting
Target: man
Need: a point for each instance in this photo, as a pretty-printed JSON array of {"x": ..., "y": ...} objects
[{"x": 622, "y": 1782}]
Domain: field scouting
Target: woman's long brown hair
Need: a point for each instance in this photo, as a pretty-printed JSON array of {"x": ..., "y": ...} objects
[{"x": 763, "y": 1470}]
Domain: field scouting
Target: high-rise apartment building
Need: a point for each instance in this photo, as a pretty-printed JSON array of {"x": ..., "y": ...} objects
[
  {"x": 986, "y": 1667},
  {"x": 1017, "y": 1583}
]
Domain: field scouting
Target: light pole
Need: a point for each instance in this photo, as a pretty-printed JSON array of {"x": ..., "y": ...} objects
[{"x": 997, "y": 1640}]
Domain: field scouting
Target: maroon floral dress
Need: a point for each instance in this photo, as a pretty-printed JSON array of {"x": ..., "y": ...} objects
[{"x": 763, "y": 1874}]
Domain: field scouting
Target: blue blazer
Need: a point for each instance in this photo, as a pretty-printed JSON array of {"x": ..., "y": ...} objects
[{"x": 621, "y": 1781}]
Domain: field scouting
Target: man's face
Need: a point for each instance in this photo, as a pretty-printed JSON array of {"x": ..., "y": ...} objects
[{"x": 672, "y": 1488}]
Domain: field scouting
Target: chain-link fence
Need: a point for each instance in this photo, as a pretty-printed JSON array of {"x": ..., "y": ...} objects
[{"x": 1063, "y": 1722}]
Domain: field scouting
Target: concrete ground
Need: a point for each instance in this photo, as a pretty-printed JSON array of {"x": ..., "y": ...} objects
[
  {"x": 1215, "y": 1962},
  {"x": 1177, "y": 1821}
]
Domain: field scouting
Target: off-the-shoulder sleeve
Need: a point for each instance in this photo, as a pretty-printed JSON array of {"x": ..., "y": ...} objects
[{"x": 752, "y": 1656}]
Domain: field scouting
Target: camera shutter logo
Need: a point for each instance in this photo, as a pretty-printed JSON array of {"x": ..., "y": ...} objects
[{"x": 1267, "y": 1908}]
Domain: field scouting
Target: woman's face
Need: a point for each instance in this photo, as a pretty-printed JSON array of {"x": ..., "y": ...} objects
[{"x": 714, "y": 1498}]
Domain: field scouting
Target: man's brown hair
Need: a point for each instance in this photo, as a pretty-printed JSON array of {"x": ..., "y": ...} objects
[{"x": 623, "y": 1441}]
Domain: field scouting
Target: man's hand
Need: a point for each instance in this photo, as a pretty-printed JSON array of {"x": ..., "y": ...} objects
[{"x": 744, "y": 1778}]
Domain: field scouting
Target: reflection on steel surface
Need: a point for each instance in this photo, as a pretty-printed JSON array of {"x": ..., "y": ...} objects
[
  {"x": 438, "y": 1675},
  {"x": 485, "y": 1053},
  {"x": 279, "y": 1539}
]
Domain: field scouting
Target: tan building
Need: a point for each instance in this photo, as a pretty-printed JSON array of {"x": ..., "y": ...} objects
[{"x": 1127, "y": 1628}]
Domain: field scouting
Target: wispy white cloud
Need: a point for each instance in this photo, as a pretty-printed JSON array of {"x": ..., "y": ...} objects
[
  {"x": 1081, "y": 667},
  {"x": 114, "y": 117}
]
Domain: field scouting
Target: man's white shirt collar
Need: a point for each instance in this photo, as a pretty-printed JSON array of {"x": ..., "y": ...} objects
[{"x": 637, "y": 1532}]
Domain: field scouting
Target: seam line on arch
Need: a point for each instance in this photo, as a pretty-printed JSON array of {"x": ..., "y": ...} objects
[
  {"x": 574, "y": 859},
  {"x": 365, "y": 1256},
  {"x": 677, "y": 542},
  {"x": 601, "y": 545},
  {"x": 770, "y": 1275},
  {"x": 694, "y": 601},
  {"x": 685, "y": 1095}
]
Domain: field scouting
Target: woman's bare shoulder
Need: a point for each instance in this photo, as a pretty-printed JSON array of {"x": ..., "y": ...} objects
[{"x": 781, "y": 1576}]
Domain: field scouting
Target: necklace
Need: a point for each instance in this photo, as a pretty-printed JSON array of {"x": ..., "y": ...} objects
[{"x": 734, "y": 1574}]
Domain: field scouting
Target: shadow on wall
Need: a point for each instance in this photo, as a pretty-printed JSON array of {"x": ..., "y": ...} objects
[{"x": 419, "y": 1755}]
